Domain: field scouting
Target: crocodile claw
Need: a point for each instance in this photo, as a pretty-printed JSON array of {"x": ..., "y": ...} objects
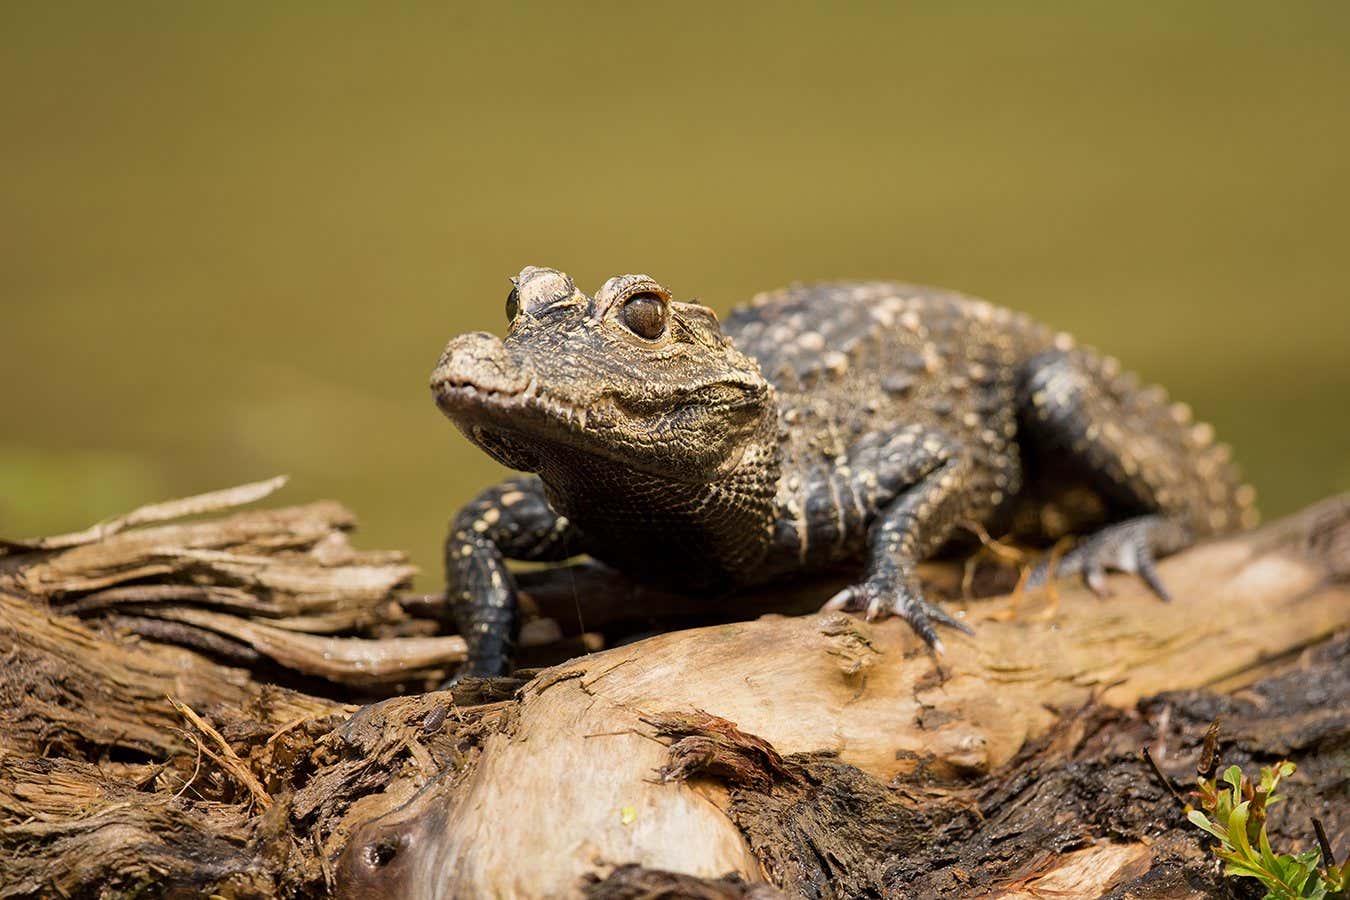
[
  {"x": 880, "y": 598},
  {"x": 1132, "y": 546}
]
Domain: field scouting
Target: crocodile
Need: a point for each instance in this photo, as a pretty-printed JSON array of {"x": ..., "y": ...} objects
[{"x": 854, "y": 426}]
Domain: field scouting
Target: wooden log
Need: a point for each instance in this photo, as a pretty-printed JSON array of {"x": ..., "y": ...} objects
[
  {"x": 785, "y": 756},
  {"x": 567, "y": 790}
]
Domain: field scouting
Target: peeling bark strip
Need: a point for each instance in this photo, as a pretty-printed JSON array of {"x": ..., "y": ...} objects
[
  {"x": 709, "y": 747},
  {"x": 822, "y": 754},
  {"x": 215, "y": 501}
]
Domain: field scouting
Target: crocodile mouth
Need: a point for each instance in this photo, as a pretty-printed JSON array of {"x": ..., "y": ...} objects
[
  {"x": 465, "y": 399},
  {"x": 522, "y": 428},
  {"x": 525, "y": 428}
]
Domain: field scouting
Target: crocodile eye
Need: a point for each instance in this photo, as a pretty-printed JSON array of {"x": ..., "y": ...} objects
[
  {"x": 645, "y": 315},
  {"x": 512, "y": 305}
]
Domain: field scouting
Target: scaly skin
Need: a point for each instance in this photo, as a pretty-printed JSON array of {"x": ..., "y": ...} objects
[{"x": 861, "y": 426}]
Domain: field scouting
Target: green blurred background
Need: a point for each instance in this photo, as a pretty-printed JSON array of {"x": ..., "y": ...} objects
[{"x": 236, "y": 236}]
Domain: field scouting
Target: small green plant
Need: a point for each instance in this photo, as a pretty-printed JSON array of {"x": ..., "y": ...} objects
[{"x": 1232, "y": 809}]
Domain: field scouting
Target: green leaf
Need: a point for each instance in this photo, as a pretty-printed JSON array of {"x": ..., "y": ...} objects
[
  {"x": 1237, "y": 869},
  {"x": 1200, "y": 820},
  {"x": 1233, "y": 776},
  {"x": 1267, "y": 855},
  {"x": 1237, "y": 832},
  {"x": 1296, "y": 876},
  {"x": 1309, "y": 858},
  {"x": 1232, "y": 867}
]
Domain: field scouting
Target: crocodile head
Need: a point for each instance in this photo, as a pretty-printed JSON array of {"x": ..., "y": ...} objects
[{"x": 629, "y": 379}]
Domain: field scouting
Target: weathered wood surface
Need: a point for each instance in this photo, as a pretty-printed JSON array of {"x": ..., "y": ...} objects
[
  {"x": 856, "y": 764},
  {"x": 568, "y": 787}
]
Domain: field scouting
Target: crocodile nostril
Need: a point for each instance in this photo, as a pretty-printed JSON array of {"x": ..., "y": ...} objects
[{"x": 479, "y": 360}]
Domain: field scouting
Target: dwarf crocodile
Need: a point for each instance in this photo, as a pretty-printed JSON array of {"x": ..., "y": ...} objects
[{"x": 851, "y": 425}]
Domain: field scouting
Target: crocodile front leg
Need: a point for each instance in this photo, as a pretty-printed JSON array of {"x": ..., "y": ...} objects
[
  {"x": 919, "y": 481},
  {"x": 512, "y": 520}
]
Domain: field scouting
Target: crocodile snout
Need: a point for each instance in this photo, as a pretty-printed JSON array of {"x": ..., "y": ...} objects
[{"x": 477, "y": 364}]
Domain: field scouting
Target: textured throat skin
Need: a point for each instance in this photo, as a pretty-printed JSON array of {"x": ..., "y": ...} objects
[
  {"x": 697, "y": 536},
  {"x": 834, "y": 426}
]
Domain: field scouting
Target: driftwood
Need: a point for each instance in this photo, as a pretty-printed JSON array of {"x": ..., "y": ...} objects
[{"x": 814, "y": 755}]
